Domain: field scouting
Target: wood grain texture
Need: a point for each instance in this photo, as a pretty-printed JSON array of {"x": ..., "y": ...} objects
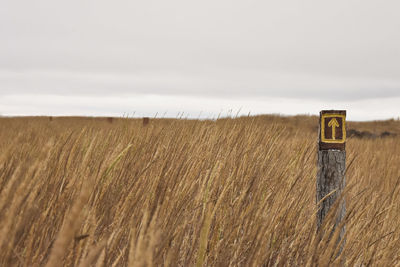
[{"x": 331, "y": 180}]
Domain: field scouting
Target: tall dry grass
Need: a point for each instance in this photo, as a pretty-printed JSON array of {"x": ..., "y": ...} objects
[{"x": 232, "y": 192}]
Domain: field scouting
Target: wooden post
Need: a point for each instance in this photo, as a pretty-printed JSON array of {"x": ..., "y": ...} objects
[{"x": 331, "y": 166}]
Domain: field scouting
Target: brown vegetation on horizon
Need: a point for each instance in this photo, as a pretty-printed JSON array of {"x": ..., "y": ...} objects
[{"x": 231, "y": 192}]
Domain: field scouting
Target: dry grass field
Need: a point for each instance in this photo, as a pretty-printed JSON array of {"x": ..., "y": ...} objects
[{"x": 231, "y": 192}]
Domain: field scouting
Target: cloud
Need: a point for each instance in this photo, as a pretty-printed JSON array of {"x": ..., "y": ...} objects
[
  {"x": 290, "y": 51},
  {"x": 215, "y": 83}
]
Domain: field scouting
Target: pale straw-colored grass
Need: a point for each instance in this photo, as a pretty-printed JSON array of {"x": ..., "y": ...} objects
[{"x": 231, "y": 192}]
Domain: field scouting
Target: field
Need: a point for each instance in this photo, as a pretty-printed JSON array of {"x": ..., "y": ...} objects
[{"x": 231, "y": 192}]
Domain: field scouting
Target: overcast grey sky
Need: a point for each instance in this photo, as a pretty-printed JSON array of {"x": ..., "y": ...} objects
[{"x": 200, "y": 57}]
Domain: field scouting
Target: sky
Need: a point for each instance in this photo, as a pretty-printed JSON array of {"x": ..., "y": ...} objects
[{"x": 202, "y": 59}]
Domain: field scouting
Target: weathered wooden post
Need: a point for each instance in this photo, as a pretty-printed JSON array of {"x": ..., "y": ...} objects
[{"x": 331, "y": 166}]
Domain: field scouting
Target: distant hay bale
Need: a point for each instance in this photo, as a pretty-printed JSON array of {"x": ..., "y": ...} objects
[
  {"x": 110, "y": 119},
  {"x": 146, "y": 121}
]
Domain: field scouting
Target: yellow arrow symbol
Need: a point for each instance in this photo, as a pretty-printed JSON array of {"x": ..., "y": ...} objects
[{"x": 333, "y": 123}]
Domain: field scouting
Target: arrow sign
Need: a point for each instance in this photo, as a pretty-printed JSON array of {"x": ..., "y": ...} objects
[
  {"x": 333, "y": 123},
  {"x": 332, "y": 129}
]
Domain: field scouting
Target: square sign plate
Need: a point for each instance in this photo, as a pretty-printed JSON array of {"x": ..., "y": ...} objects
[{"x": 332, "y": 129}]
